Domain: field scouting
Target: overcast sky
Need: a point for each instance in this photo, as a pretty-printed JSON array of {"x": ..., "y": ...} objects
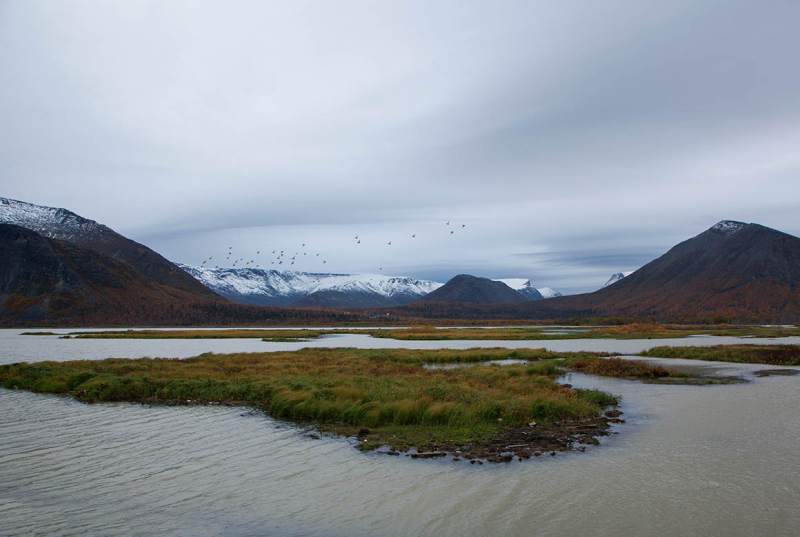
[{"x": 574, "y": 139}]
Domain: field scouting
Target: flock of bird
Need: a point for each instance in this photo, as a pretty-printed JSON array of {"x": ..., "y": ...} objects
[{"x": 282, "y": 256}]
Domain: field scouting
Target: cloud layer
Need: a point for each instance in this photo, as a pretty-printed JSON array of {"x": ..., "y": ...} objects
[{"x": 575, "y": 139}]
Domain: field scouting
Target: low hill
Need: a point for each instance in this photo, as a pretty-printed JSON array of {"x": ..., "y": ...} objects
[{"x": 472, "y": 290}]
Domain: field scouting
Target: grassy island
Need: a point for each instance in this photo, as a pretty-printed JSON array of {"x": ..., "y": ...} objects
[
  {"x": 382, "y": 397},
  {"x": 385, "y": 397}
]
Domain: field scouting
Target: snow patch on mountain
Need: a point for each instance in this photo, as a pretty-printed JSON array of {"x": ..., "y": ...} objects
[
  {"x": 617, "y": 277},
  {"x": 278, "y": 288},
  {"x": 50, "y": 222},
  {"x": 523, "y": 286},
  {"x": 728, "y": 227},
  {"x": 548, "y": 292}
]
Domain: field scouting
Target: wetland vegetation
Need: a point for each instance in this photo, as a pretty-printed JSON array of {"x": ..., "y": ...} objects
[
  {"x": 750, "y": 354},
  {"x": 430, "y": 333},
  {"x": 385, "y": 397}
]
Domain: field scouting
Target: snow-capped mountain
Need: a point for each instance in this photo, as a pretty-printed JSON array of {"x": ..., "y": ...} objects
[
  {"x": 617, "y": 277},
  {"x": 51, "y": 222},
  {"x": 282, "y": 288},
  {"x": 64, "y": 225},
  {"x": 524, "y": 287},
  {"x": 548, "y": 292}
]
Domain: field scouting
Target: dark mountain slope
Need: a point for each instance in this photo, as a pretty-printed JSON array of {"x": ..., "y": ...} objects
[
  {"x": 65, "y": 225},
  {"x": 731, "y": 267},
  {"x": 40, "y": 278},
  {"x": 472, "y": 290}
]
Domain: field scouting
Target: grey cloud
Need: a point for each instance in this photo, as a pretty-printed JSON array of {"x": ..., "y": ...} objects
[{"x": 592, "y": 136}]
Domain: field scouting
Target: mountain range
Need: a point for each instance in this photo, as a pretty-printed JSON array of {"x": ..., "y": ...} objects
[
  {"x": 254, "y": 286},
  {"x": 56, "y": 266},
  {"x": 314, "y": 289},
  {"x": 303, "y": 289}
]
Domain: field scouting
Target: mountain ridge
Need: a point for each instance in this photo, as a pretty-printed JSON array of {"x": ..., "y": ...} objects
[
  {"x": 272, "y": 287},
  {"x": 65, "y": 225}
]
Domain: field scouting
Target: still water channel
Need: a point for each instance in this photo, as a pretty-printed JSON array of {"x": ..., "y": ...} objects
[{"x": 690, "y": 460}]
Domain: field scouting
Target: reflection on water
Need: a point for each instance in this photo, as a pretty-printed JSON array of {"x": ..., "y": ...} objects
[{"x": 690, "y": 460}]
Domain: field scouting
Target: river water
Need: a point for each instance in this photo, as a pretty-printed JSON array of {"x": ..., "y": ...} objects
[{"x": 690, "y": 460}]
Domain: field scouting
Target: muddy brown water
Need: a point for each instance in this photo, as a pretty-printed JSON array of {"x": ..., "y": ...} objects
[{"x": 690, "y": 460}]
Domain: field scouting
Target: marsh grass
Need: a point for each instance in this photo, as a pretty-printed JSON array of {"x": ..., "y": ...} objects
[
  {"x": 38, "y": 334},
  {"x": 384, "y": 390},
  {"x": 617, "y": 367},
  {"x": 429, "y": 333},
  {"x": 751, "y": 354},
  {"x": 270, "y": 335}
]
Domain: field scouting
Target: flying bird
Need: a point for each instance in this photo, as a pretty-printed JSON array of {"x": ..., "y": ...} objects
[
  {"x": 356, "y": 237},
  {"x": 414, "y": 235},
  {"x": 448, "y": 222},
  {"x": 463, "y": 226},
  {"x": 390, "y": 243},
  {"x": 452, "y": 232}
]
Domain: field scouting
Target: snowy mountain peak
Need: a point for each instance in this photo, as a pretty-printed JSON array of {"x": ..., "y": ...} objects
[
  {"x": 51, "y": 222},
  {"x": 728, "y": 227},
  {"x": 516, "y": 284},
  {"x": 548, "y": 292},
  {"x": 523, "y": 286},
  {"x": 617, "y": 277}
]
